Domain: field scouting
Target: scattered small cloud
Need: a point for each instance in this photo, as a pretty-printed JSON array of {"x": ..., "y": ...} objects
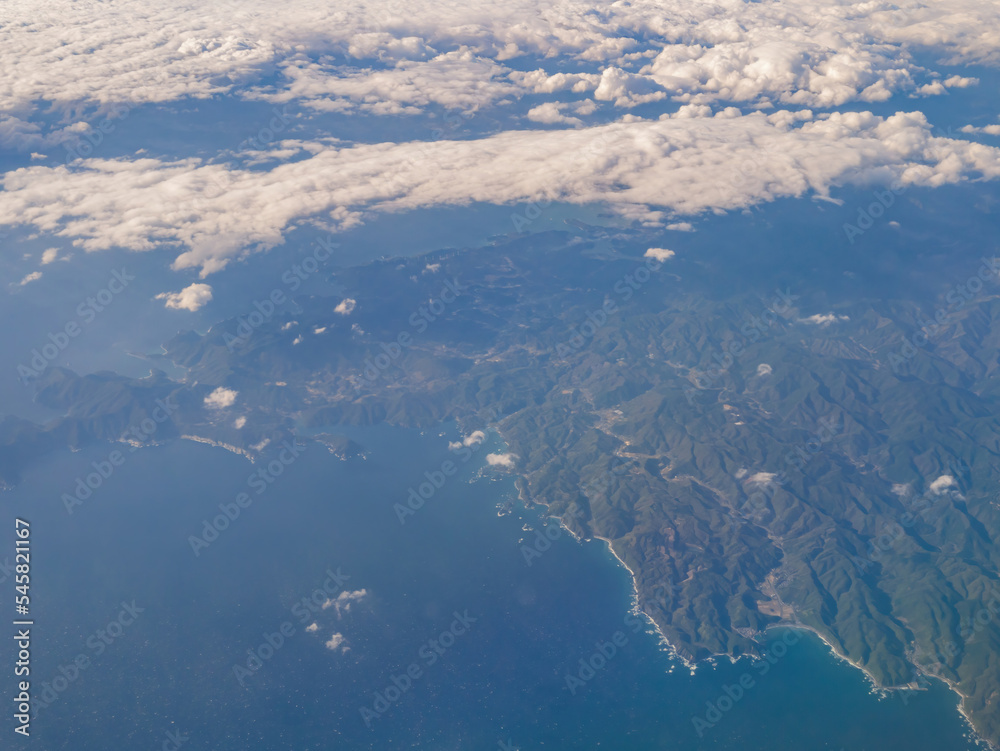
[
  {"x": 337, "y": 642},
  {"x": 312, "y": 628},
  {"x": 473, "y": 439},
  {"x": 942, "y": 484},
  {"x": 319, "y": 330},
  {"x": 290, "y": 324},
  {"x": 900, "y": 489},
  {"x": 762, "y": 478},
  {"x": 346, "y": 306},
  {"x": 193, "y": 297},
  {"x": 49, "y": 255},
  {"x": 342, "y": 602},
  {"x": 432, "y": 268},
  {"x": 990, "y": 130},
  {"x": 500, "y": 460},
  {"x": 34, "y": 276},
  {"x": 221, "y": 398},
  {"x": 824, "y": 319},
  {"x": 660, "y": 254},
  {"x": 764, "y": 369},
  {"x": 960, "y": 82},
  {"x": 239, "y": 422}
]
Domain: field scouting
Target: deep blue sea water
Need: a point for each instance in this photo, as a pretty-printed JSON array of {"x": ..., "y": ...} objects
[{"x": 502, "y": 681}]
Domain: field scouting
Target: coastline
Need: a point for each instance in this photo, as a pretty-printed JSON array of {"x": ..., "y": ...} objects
[
  {"x": 664, "y": 641},
  {"x": 522, "y": 485},
  {"x": 878, "y": 688}
]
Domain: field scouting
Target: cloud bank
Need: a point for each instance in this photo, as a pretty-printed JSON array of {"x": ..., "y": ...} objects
[
  {"x": 582, "y": 104},
  {"x": 650, "y": 169}
]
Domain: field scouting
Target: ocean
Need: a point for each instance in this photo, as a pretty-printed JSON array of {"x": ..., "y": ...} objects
[{"x": 450, "y": 623}]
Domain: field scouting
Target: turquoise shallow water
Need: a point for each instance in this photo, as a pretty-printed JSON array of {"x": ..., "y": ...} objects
[{"x": 498, "y": 681}]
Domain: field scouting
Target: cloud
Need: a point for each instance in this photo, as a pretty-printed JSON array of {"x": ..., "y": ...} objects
[
  {"x": 660, "y": 254},
  {"x": 312, "y": 628},
  {"x": 239, "y": 422},
  {"x": 500, "y": 460},
  {"x": 990, "y": 130},
  {"x": 221, "y": 398},
  {"x": 474, "y": 438},
  {"x": 49, "y": 255},
  {"x": 378, "y": 58},
  {"x": 627, "y": 89},
  {"x": 960, "y": 82},
  {"x": 764, "y": 369},
  {"x": 337, "y": 642},
  {"x": 942, "y": 484},
  {"x": 193, "y": 297},
  {"x": 458, "y": 80},
  {"x": 345, "y": 307},
  {"x": 824, "y": 319},
  {"x": 683, "y": 165},
  {"x": 344, "y": 600},
  {"x": 34, "y": 276},
  {"x": 550, "y": 113},
  {"x": 762, "y": 478},
  {"x": 449, "y": 63}
]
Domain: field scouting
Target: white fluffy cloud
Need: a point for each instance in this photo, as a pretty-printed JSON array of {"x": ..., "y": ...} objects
[
  {"x": 627, "y": 89},
  {"x": 764, "y": 369},
  {"x": 500, "y": 460},
  {"x": 443, "y": 56},
  {"x": 454, "y": 53},
  {"x": 762, "y": 478},
  {"x": 551, "y": 113},
  {"x": 342, "y": 602},
  {"x": 824, "y": 319},
  {"x": 474, "y": 438},
  {"x": 990, "y": 130},
  {"x": 337, "y": 643},
  {"x": 457, "y": 80},
  {"x": 660, "y": 254},
  {"x": 346, "y": 306},
  {"x": 942, "y": 484},
  {"x": 683, "y": 165},
  {"x": 221, "y": 398},
  {"x": 192, "y": 297}
]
